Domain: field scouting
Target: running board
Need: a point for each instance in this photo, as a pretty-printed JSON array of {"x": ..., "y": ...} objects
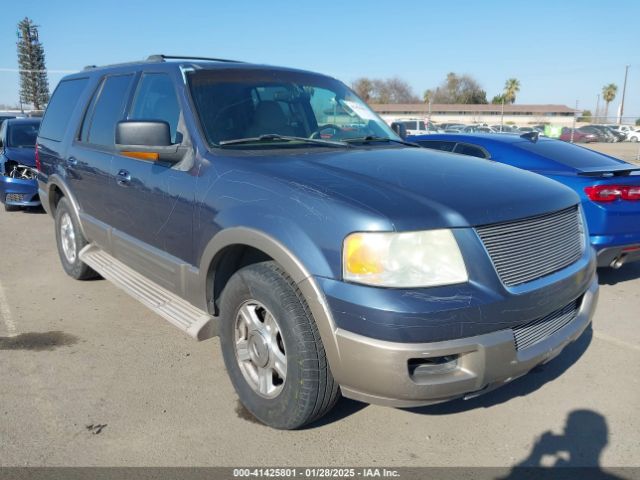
[{"x": 195, "y": 322}]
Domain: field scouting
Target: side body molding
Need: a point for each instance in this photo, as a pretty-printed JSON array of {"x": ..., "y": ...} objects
[{"x": 292, "y": 265}]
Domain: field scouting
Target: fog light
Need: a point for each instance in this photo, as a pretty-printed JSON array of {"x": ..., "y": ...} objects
[{"x": 433, "y": 365}]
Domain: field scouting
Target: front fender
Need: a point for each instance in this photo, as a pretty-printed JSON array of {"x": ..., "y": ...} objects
[{"x": 285, "y": 256}]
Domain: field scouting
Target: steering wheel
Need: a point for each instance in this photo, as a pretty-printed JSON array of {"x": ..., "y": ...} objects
[{"x": 326, "y": 126}]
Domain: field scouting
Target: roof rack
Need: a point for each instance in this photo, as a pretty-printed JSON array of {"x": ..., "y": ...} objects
[{"x": 162, "y": 58}]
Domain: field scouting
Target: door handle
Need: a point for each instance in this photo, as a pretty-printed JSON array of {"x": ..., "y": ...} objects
[
  {"x": 72, "y": 161},
  {"x": 123, "y": 178}
]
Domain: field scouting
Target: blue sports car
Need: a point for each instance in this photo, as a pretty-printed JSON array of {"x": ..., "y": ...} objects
[
  {"x": 608, "y": 187},
  {"x": 18, "y": 184}
]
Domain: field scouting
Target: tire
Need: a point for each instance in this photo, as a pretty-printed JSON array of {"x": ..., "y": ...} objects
[
  {"x": 69, "y": 251},
  {"x": 634, "y": 139},
  {"x": 308, "y": 390},
  {"x": 11, "y": 208}
]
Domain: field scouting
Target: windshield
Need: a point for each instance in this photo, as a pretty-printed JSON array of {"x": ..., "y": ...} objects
[
  {"x": 239, "y": 104},
  {"x": 22, "y": 135}
]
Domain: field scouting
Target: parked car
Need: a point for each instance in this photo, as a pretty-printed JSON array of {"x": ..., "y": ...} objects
[
  {"x": 18, "y": 185},
  {"x": 601, "y": 135},
  {"x": 358, "y": 264},
  {"x": 478, "y": 128},
  {"x": 633, "y": 135},
  {"x": 578, "y": 136},
  {"x": 612, "y": 135},
  {"x": 502, "y": 128},
  {"x": 419, "y": 127},
  {"x": 617, "y": 135},
  {"x": 609, "y": 188}
]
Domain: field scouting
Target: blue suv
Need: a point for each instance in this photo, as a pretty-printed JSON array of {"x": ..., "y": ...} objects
[{"x": 272, "y": 208}]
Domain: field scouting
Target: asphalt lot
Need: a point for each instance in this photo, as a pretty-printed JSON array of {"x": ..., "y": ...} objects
[{"x": 88, "y": 376}]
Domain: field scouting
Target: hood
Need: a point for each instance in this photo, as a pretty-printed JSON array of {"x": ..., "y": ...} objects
[
  {"x": 417, "y": 188},
  {"x": 24, "y": 156}
]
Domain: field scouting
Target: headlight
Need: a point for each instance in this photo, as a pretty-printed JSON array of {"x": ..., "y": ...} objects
[{"x": 412, "y": 259}]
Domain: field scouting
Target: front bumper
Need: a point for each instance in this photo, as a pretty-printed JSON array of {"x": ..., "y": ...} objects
[
  {"x": 377, "y": 371},
  {"x": 19, "y": 192}
]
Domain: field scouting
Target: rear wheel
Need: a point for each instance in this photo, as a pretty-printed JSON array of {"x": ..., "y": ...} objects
[
  {"x": 634, "y": 139},
  {"x": 70, "y": 241},
  {"x": 272, "y": 348}
]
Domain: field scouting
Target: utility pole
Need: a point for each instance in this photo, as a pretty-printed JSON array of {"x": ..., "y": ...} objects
[
  {"x": 502, "y": 114},
  {"x": 574, "y": 121},
  {"x": 597, "y": 109},
  {"x": 624, "y": 90}
]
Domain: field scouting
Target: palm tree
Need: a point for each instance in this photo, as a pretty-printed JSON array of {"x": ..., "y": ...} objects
[
  {"x": 608, "y": 95},
  {"x": 511, "y": 87}
]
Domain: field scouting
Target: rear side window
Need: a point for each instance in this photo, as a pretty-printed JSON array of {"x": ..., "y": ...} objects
[
  {"x": 61, "y": 107},
  {"x": 410, "y": 125},
  {"x": 156, "y": 100},
  {"x": 437, "y": 145},
  {"x": 100, "y": 122},
  {"x": 470, "y": 150},
  {"x": 569, "y": 154}
]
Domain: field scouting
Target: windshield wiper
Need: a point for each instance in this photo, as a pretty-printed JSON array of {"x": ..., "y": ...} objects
[
  {"x": 373, "y": 138},
  {"x": 274, "y": 137}
]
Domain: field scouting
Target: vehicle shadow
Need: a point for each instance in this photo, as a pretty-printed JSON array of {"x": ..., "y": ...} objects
[
  {"x": 611, "y": 276},
  {"x": 33, "y": 210},
  {"x": 580, "y": 445},
  {"x": 525, "y": 385}
]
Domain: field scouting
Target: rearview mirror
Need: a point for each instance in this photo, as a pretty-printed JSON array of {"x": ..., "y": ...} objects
[
  {"x": 400, "y": 129},
  {"x": 147, "y": 140}
]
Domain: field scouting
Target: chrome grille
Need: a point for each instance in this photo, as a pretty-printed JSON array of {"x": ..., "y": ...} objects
[
  {"x": 528, "y": 249},
  {"x": 537, "y": 330}
]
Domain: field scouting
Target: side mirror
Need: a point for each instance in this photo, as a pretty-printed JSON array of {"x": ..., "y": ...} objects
[
  {"x": 147, "y": 140},
  {"x": 400, "y": 129}
]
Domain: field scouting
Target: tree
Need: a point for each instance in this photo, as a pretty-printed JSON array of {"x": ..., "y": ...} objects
[
  {"x": 427, "y": 96},
  {"x": 511, "y": 87},
  {"x": 498, "y": 99},
  {"x": 459, "y": 89},
  {"x": 391, "y": 90},
  {"x": 638, "y": 122},
  {"x": 585, "y": 117},
  {"x": 608, "y": 95},
  {"x": 34, "y": 86},
  {"x": 363, "y": 87}
]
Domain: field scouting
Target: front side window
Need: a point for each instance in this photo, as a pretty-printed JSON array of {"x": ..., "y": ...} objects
[
  {"x": 99, "y": 127},
  {"x": 156, "y": 100},
  {"x": 240, "y": 104}
]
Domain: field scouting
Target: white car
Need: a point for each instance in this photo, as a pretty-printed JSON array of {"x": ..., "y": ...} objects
[
  {"x": 633, "y": 136},
  {"x": 419, "y": 127}
]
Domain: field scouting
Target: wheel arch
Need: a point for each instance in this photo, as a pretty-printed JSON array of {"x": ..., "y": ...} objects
[
  {"x": 56, "y": 189},
  {"x": 241, "y": 246}
]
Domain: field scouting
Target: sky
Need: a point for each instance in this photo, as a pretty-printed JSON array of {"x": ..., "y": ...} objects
[{"x": 561, "y": 51}]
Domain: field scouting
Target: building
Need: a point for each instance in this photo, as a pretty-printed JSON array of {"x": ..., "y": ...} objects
[{"x": 490, "y": 114}]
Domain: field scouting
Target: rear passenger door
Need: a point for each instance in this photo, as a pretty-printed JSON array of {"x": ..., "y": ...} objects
[
  {"x": 151, "y": 202},
  {"x": 89, "y": 157}
]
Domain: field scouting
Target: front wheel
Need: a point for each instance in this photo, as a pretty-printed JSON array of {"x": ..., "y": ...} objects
[{"x": 272, "y": 348}]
